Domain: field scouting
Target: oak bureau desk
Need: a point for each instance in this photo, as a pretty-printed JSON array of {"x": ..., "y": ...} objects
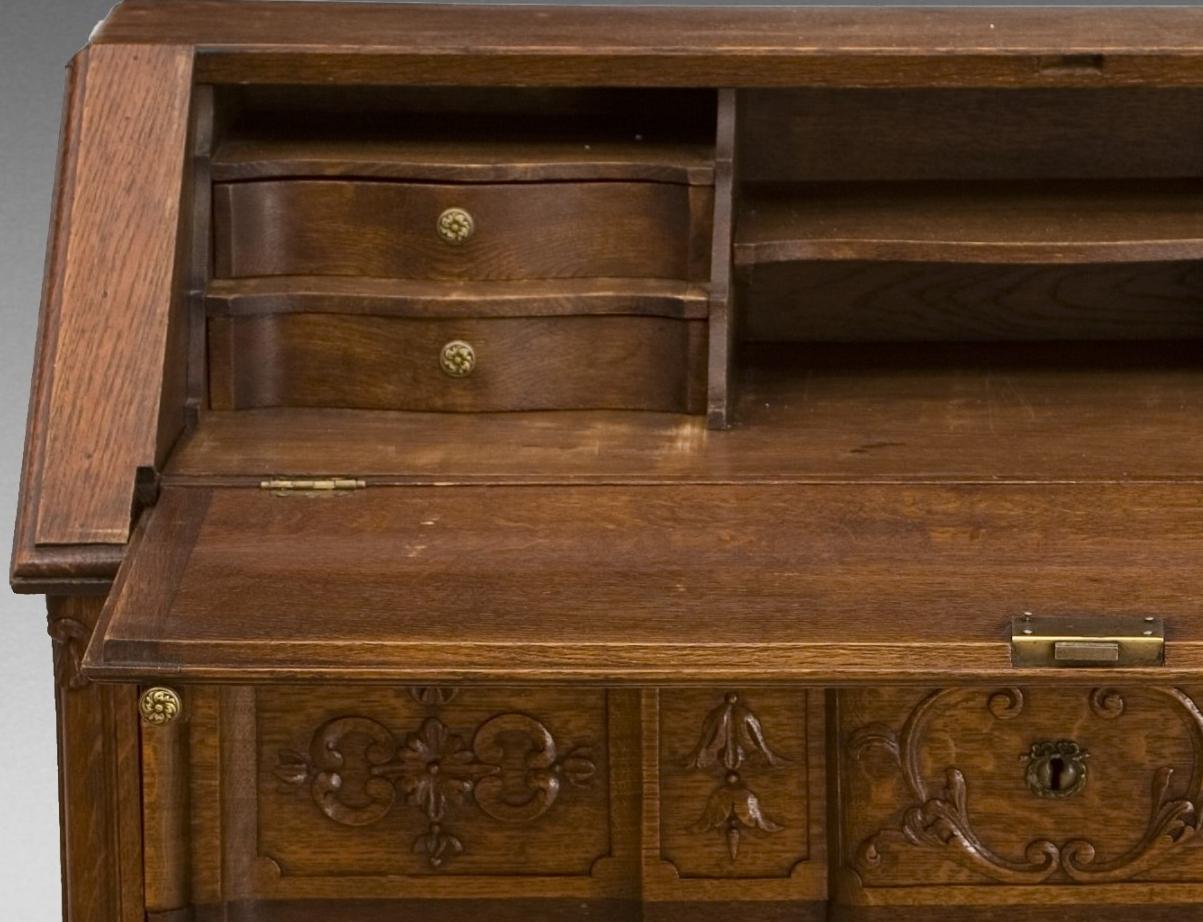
[{"x": 541, "y": 463}]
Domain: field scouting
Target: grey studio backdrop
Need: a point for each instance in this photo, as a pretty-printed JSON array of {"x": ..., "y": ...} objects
[{"x": 37, "y": 37}]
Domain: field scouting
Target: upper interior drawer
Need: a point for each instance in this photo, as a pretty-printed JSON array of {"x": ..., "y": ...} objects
[{"x": 448, "y": 231}]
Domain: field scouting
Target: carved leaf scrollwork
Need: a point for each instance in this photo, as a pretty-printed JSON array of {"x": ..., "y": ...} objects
[
  {"x": 356, "y": 767},
  {"x": 941, "y": 820}
]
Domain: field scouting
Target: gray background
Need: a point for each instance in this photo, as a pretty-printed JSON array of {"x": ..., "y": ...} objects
[{"x": 37, "y": 37}]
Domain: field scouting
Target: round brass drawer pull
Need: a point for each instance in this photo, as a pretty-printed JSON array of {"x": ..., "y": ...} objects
[
  {"x": 160, "y": 705},
  {"x": 456, "y": 225},
  {"x": 1056, "y": 769},
  {"x": 458, "y": 359}
]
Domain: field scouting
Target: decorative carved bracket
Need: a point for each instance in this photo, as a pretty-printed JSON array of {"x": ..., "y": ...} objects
[{"x": 70, "y": 639}]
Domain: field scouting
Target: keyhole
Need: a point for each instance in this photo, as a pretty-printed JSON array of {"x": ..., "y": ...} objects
[{"x": 1056, "y": 770}]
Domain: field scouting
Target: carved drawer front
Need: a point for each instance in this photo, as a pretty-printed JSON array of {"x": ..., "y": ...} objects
[
  {"x": 464, "y": 364},
  {"x": 411, "y": 793},
  {"x": 1061, "y": 787},
  {"x": 738, "y": 812},
  {"x": 442, "y": 231}
]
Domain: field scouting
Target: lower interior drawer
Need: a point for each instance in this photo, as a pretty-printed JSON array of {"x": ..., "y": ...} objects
[
  {"x": 361, "y": 803},
  {"x": 458, "y": 365}
]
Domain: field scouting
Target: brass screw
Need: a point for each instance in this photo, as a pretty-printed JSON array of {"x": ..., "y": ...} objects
[
  {"x": 456, "y": 225},
  {"x": 458, "y": 359},
  {"x": 160, "y": 705}
]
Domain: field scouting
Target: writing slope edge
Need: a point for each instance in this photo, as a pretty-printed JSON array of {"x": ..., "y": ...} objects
[{"x": 811, "y": 583}]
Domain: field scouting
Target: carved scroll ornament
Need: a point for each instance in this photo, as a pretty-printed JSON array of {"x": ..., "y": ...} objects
[
  {"x": 940, "y": 820},
  {"x": 435, "y": 771}
]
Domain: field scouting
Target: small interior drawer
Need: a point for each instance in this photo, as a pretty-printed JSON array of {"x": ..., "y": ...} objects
[
  {"x": 462, "y": 231},
  {"x": 457, "y": 365}
]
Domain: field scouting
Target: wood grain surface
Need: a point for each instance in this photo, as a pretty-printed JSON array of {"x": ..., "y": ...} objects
[
  {"x": 117, "y": 289},
  {"x": 521, "y": 363},
  {"x": 826, "y": 413},
  {"x": 388, "y": 229},
  {"x": 1041, "y": 223},
  {"x": 302, "y": 42},
  {"x": 426, "y": 299},
  {"x": 819, "y": 583},
  {"x": 855, "y": 134},
  {"x": 857, "y": 301}
]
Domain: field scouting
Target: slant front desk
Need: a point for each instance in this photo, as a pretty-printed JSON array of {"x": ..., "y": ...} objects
[{"x": 616, "y": 464}]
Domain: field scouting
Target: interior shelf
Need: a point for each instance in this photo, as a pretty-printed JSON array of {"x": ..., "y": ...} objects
[
  {"x": 1048, "y": 222},
  {"x": 1061, "y": 412}
]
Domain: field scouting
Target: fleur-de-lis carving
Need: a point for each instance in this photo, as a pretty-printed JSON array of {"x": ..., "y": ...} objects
[
  {"x": 730, "y": 733},
  {"x": 731, "y": 809}
]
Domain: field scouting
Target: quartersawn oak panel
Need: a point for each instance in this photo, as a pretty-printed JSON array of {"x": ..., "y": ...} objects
[
  {"x": 112, "y": 293},
  {"x": 306, "y": 795},
  {"x": 522, "y": 363},
  {"x": 389, "y": 229},
  {"x": 630, "y": 584}
]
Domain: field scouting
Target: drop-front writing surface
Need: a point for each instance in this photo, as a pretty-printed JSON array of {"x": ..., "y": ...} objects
[{"x": 658, "y": 463}]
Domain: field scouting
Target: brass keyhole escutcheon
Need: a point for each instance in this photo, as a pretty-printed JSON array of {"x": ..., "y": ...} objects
[
  {"x": 1056, "y": 769},
  {"x": 458, "y": 359},
  {"x": 456, "y": 226}
]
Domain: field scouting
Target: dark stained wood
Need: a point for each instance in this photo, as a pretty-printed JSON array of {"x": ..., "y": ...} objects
[
  {"x": 522, "y": 363},
  {"x": 418, "y": 298},
  {"x": 99, "y": 784},
  {"x": 722, "y": 308},
  {"x": 877, "y": 135},
  {"x": 828, "y": 413},
  {"x": 1095, "y": 222},
  {"x": 852, "y": 301},
  {"x": 302, "y": 42},
  {"x": 115, "y": 294},
  {"x": 385, "y": 229},
  {"x": 464, "y": 160},
  {"x": 643, "y": 584}
]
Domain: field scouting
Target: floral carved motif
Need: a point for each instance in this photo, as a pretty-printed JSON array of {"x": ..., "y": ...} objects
[
  {"x": 940, "y": 819},
  {"x": 512, "y": 770},
  {"x": 731, "y": 736}
]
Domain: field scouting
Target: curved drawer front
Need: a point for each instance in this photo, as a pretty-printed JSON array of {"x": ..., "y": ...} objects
[
  {"x": 1021, "y": 786},
  {"x": 460, "y": 365},
  {"x": 439, "y": 231}
]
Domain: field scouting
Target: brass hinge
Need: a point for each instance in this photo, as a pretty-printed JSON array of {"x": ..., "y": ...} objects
[
  {"x": 1099, "y": 641},
  {"x": 312, "y": 486}
]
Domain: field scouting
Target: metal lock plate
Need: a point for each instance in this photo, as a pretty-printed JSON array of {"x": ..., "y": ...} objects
[{"x": 1085, "y": 641}]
